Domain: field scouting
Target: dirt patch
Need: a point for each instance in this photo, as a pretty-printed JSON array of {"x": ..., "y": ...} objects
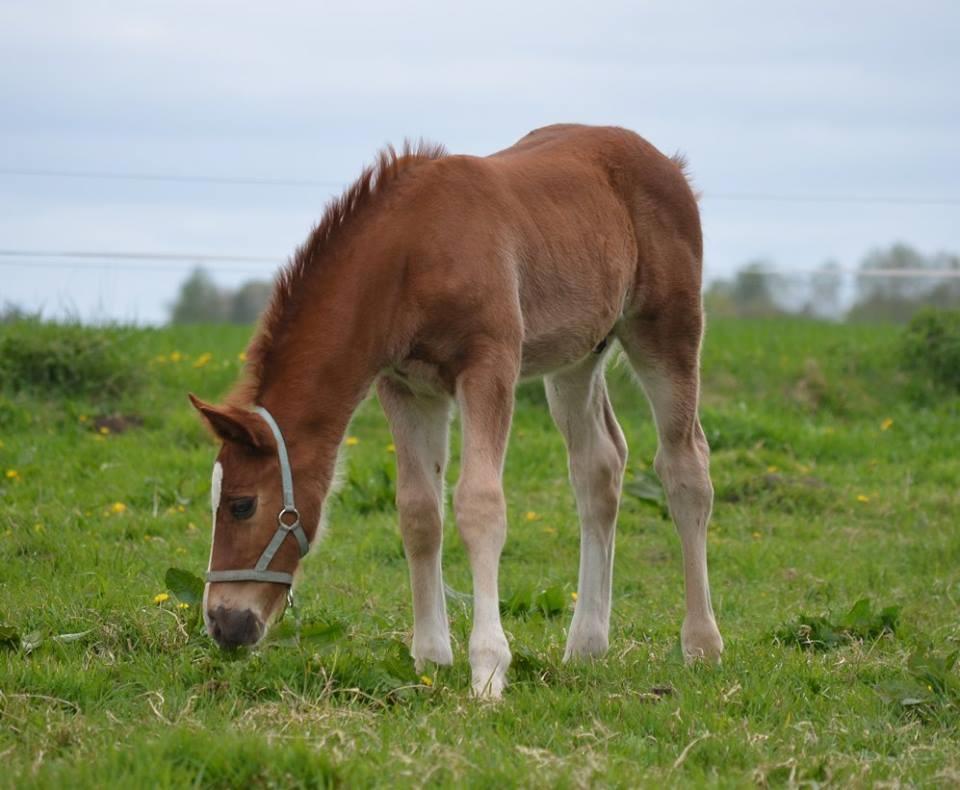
[{"x": 117, "y": 423}]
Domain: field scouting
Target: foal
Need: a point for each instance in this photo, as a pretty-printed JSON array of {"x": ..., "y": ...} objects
[{"x": 447, "y": 279}]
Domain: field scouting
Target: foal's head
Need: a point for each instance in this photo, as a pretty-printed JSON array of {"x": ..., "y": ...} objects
[{"x": 247, "y": 499}]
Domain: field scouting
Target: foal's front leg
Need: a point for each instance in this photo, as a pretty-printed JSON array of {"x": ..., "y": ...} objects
[
  {"x": 485, "y": 395},
  {"x": 420, "y": 427}
]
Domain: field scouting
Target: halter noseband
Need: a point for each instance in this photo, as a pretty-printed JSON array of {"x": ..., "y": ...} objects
[{"x": 259, "y": 572}]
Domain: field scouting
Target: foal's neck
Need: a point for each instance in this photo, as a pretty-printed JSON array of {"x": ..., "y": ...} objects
[{"x": 320, "y": 368}]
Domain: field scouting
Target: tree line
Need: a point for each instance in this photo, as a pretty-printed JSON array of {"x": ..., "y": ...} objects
[
  {"x": 753, "y": 291},
  {"x": 871, "y": 294}
]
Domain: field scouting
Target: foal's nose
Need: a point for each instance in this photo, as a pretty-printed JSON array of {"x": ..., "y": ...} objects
[{"x": 234, "y": 627}]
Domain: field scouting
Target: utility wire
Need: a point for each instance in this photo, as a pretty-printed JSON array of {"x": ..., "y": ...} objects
[
  {"x": 145, "y": 256},
  {"x": 754, "y": 197},
  {"x": 123, "y": 261},
  {"x": 179, "y": 179},
  {"x": 120, "y": 267}
]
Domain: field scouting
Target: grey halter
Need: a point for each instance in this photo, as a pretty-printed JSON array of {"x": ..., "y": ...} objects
[{"x": 259, "y": 572}]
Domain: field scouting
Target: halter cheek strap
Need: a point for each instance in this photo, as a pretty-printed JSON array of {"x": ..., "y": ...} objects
[{"x": 288, "y": 521}]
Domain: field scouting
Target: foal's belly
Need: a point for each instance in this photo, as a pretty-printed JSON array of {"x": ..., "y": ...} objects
[{"x": 555, "y": 347}]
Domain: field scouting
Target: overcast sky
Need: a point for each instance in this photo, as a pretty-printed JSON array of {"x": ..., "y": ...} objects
[{"x": 834, "y": 100}]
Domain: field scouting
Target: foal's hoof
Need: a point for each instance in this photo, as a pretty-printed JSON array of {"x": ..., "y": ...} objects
[
  {"x": 489, "y": 661},
  {"x": 586, "y": 643},
  {"x": 701, "y": 641},
  {"x": 491, "y": 687},
  {"x": 437, "y": 652}
]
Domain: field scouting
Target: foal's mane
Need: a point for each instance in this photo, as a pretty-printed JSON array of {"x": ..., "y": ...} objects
[{"x": 288, "y": 290}]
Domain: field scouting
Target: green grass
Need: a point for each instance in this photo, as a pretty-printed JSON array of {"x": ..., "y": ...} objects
[{"x": 821, "y": 502}]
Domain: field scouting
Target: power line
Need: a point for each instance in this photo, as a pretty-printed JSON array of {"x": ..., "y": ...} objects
[
  {"x": 114, "y": 266},
  {"x": 179, "y": 179},
  {"x": 759, "y": 197},
  {"x": 144, "y": 256},
  {"x": 257, "y": 181},
  {"x": 90, "y": 259}
]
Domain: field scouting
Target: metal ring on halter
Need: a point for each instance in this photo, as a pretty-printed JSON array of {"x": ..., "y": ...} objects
[{"x": 284, "y": 512}]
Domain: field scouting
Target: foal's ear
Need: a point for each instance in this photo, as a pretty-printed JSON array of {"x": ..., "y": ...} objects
[{"x": 234, "y": 425}]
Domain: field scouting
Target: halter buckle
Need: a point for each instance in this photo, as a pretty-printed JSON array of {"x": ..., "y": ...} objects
[{"x": 288, "y": 511}]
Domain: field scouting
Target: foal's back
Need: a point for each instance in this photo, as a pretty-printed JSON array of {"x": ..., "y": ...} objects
[{"x": 603, "y": 228}]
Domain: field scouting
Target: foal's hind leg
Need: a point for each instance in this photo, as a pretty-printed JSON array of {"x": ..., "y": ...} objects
[
  {"x": 665, "y": 353},
  {"x": 597, "y": 451},
  {"x": 420, "y": 426}
]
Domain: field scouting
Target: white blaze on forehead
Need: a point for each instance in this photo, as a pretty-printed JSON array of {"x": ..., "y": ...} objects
[{"x": 215, "y": 483}]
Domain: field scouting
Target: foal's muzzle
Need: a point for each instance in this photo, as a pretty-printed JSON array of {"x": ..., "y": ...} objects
[{"x": 234, "y": 627}]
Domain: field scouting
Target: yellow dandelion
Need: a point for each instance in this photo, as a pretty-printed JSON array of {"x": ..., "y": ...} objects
[
  {"x": 886, "y": 424},
  {"x": 12, "y": 474},
  {"x": 104, "y": 430},
  {"x": 203, "y": 359},
  {"x": 391, "y": 448},
  {"x": 83, "y": 418},
  {"x": 175, "y": 356},
  {"x": 426, "y": 680},
  {"x": 160, "y": 598},
  {"x": 862, "y": 498},
  {"x": 181, "y": 509},
  {"x": 352, "y": 441},
  {"x": 574, "y": 596},
  {"x": 531, "y": 516},
  {"x": 757, "y": 536},
  {"x": 118, "y": 507},
  {"x": 183, "y": 606},
  {"x": 242, "y": 356},
  {"x": 772, "y": 469}
]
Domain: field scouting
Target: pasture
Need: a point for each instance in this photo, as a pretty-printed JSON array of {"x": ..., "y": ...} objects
[{"x": 834, "y": 559}]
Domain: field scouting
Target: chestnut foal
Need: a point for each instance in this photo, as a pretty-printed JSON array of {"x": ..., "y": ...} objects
[{"x": 447, "y": 279}]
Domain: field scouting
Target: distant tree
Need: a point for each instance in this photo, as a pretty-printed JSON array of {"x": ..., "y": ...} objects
[
  {"x": 200, "y": 301},
  {"x": 718, "y": 299},
  {"x": 753, "y": 291},
  {"x": 11, "y": 313},
  {"x": 825, "y": 286},
  {"x": 248, "y": 301},
  {"x": 750, "y": 294},
  {"x": 897, "y": 296}
]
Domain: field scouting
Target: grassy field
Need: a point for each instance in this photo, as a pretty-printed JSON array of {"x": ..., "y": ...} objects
[{"x": 837, "y": 480}]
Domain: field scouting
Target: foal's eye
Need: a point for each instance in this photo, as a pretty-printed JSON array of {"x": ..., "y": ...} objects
[{"x": 243, "y": 507}]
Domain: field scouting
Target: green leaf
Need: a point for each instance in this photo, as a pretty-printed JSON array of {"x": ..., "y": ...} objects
[
  {"x": 646, "y": 487},
  {"x": 186, "y": 586},
  {"x": 520, "y": 603},
  {"x": 31, "y": 641},
  {"x": 72, "y": 637},
  {"x": 317, "y": 634},
  {"x": 551, "y": 601}
]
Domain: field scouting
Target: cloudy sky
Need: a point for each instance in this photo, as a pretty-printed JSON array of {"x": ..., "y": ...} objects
[{"x": 786, "y": 111}]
